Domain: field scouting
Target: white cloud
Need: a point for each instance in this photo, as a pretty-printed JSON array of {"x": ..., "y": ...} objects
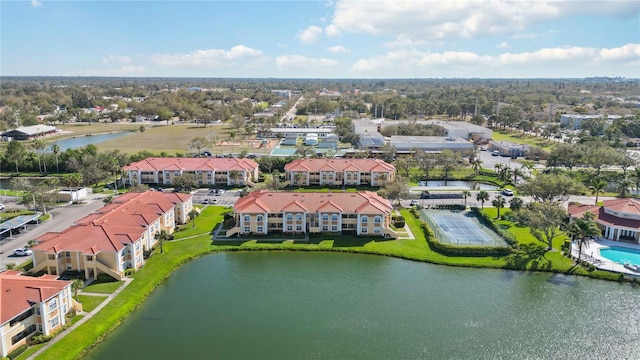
[
  {"x": 310, "y": 34},
  {"x": 36, "y": 3},
  {"x": 435, "y": 20},
  {"x": 208, "y": 57},
  {"x": 286, "y": 62},
  {"x": 503, "y": 45},
  {"x": 116, "y": 59},
  {"x": 337, "y": 49},
  {"x": 546, "y": 62}
]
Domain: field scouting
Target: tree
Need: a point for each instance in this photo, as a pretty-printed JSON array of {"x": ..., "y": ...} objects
[
  {"x": 466, "y": 194},
  {"x": 448, "y": 160},
  {"x": 161, "y": 236},
  {"x": 55, "y": 149},
  {"x": 234, "y": 175},
  {"x": 516, "y": 204},
  {"x": 581, "y": 229},
  {"x": 636, "y": 176},
  {"x": 165, "y": 114},
  {"x": 476, "y": 165},
  {"x": 185, "y": 182},
  {"x": 516, "y": 174},
  {"x": 73, "y": 181},
  {"x": 397, "y": 189},
  {"x": 299, "y": 177},
  {"x": 597, "y": 187},
  {"x": 76, "y": 285},
  {"x": 544, "y": 220},
  {"x": 274, "y": 184},
  {"x": 482, "y": 196},
  {"x": 16, "y": 153},
  {"x": 198, "y": 144},
  {"x": 550, "y": 187},
  {"x": 498, "y": 203},
  {"x": 39, "y": 145},
  {"x": 405, "y": 165},
  {"x": 53, "y": 183},
  {"x": 304, "y": 151},
  {"x": 192, "y": 214},
  {"x": 623, "y": 186},
  {"x": 426, "y": 162}
]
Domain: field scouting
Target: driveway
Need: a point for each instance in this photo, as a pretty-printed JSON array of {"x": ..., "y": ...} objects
[{"x": 62, "y": 217}]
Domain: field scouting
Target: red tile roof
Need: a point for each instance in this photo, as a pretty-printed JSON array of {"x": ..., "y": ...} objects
[
  {"x": 193, "y": 164},
  {"x": 113, "y": 226},
  {"x": 364, "y": 202},
  {"x": 621, "y": 205},
  {"x": 315, "y": 165},
  {"x": 19, "y": 292}
]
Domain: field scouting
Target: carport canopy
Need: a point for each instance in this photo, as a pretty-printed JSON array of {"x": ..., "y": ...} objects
[{"x": 17, "y": 222}]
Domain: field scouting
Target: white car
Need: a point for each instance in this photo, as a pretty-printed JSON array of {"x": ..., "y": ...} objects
[
  {"x": 22, "y": 252},
  {"x": 507, "y": 192},
  {"x": 1, "y": 206},
  {"x": 415, "y": 203}
]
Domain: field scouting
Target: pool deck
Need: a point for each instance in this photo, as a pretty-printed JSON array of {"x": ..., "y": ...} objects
[{"x": 591, "y": 254}]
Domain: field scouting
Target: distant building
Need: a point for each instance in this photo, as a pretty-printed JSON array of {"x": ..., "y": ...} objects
[
  {"x": 284, "y": 93},
  {"x": 433, "y": 144},
  {"x": 300, "y": 132},
  {"x": 459, "y": 129},
  {"x": 338, "y": 172},
  {"x": 507, "y": 148},
  {"x": 329, "y": 93},
  {"x": 29, "y": 132},
  {"x": 575, "y": 121},
  {"x": 30, "y": 306},
  {"x": 617, "y": 219}
]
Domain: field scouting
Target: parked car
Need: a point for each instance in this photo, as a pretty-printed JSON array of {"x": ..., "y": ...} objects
[
  {"x": 483, "y": 148},
  {"x": 495, "y": 153},
  {"x": 205, "y": 201},
  {"x": 220, "y": 192},
  {"x": 415, "y": 203},
  {"x": 1, "y": 206},
  {"x": 24, "y": 251},
  {"x": 507, "y": 192}
]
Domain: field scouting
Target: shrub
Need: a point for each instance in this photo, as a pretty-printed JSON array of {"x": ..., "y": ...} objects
[
  {"x": 399, "y": 222},
  {"x": 129, "y": 271},
  {"x": 15, "y": 353}
]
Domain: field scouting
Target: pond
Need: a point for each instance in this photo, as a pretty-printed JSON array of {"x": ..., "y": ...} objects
[
  {"x": 457, "y": 184},
  {"x": 81, "y": 141},
  {"x": 289, "y": 305}
]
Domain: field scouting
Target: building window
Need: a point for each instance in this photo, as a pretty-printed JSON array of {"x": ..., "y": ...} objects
[
  {"x": 67, "y": 254},
  {"x": 325, "y": 227},
  {"x": 21, "y": 317},
  {"x": 53, "y": 304},
  {"x": 298, "y": 217},
  {"x": 325, "y": 217},
  {"x": 54, "y": 322},
  {"x": 89, "y": 257},
  {"x": 289, "y": 228},
  {"x": 260, "y": 218},
  {"x": 298, "y": 227},
  {"x": 364, "y": 219},
  {"x": 376, "y": 230},
  {"x": 247, "y": 229},
  {"x": 260, "y": 229},
  {"x": 289, "y": 217},
  {"x": 334, "y": 228},
  {"x": 23, "y": 334},
  {"x": 334, "y": 217},
  {"x": 364, "y": 230},
  {"x": 247, "y": 218},
  {"x": 377, "y": 219}
]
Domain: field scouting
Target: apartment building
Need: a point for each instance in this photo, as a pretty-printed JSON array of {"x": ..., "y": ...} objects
[
  {"x": 338, "y": 172},
  {"x": 113, "y": 238},
  {"x": 360, "y": 213},
  {"x": 30, "y": 306},
  {"x": 207, "y": 171}
]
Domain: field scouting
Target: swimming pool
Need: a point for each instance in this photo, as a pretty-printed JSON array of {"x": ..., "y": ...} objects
[{"x": 621, "y": 255}]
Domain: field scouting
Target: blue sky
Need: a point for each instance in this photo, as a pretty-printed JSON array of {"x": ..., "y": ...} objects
[{"x": 321, "y": 39}]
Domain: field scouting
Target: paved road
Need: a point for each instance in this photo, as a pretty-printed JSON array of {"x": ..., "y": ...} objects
[{"x": 62, "y": 218}]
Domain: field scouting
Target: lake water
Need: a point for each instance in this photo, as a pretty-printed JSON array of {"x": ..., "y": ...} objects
[
  {"x": 282, "y": 305},
  {"x": 471, "y": 185},
  {"x": 81, "y": 141}
]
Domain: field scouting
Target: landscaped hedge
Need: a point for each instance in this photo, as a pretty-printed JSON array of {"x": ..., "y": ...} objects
[
  {"x": 15, "y": 353},
  {"x": 508, "y": 237}
]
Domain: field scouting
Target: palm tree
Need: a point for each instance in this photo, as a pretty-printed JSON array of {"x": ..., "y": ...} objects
[
  {"x": 75, "y": 286},
  {"x": 498, "y": 203},
  {"x": 115, "y": 167},
  {"x": 476, "y": 165},
  {"x": 482, "y": 196},
  {"x": 623, "y": 186},
  {"x": 498, "y": 168},
  {"x": 516, "y": 174},
  {"x": 161, "y": 236},
  {"x": 39, "y": 145},
  {"x": 234, "y": 175},
  {"x": 466, "y": 194},
  {"x": 73, "y": 181},
  {"x": 597, "y": 187},
  {"x": 53, "y": 183},
  {"x": 55, "y": 149},
  {"x": 581, "y": 229},
  {"x": 382, "y": 179},
  {"x": 299, "y": 177},
  {"x": 192, "y": 214}
]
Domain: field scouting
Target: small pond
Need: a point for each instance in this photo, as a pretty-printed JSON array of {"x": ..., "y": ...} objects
[{"x": 81, "y": 141}]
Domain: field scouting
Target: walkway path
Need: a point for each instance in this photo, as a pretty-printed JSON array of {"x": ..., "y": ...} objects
[{"x": 127, "y": 281}]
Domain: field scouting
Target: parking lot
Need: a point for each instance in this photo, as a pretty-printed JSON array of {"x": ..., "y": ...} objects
[{"x": 216, "y": 197}]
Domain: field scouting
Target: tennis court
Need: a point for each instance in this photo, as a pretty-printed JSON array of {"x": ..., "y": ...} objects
[{"x": 460, "y": 228}]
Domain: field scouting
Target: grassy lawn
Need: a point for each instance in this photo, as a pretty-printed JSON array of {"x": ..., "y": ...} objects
[
  {"x": 518, "y": 138},
  {"x": 29, "y": 351},
  {"x": 103, "y": 287},
  {"x": 90, "y": 302},
  {"x": 531, "y": 256}
]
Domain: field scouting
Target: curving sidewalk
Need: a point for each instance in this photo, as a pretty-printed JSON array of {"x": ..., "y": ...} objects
[{"x": 126, "y": 281}]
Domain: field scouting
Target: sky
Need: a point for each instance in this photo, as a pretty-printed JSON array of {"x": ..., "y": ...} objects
[{"x": 321, "y": 39}]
